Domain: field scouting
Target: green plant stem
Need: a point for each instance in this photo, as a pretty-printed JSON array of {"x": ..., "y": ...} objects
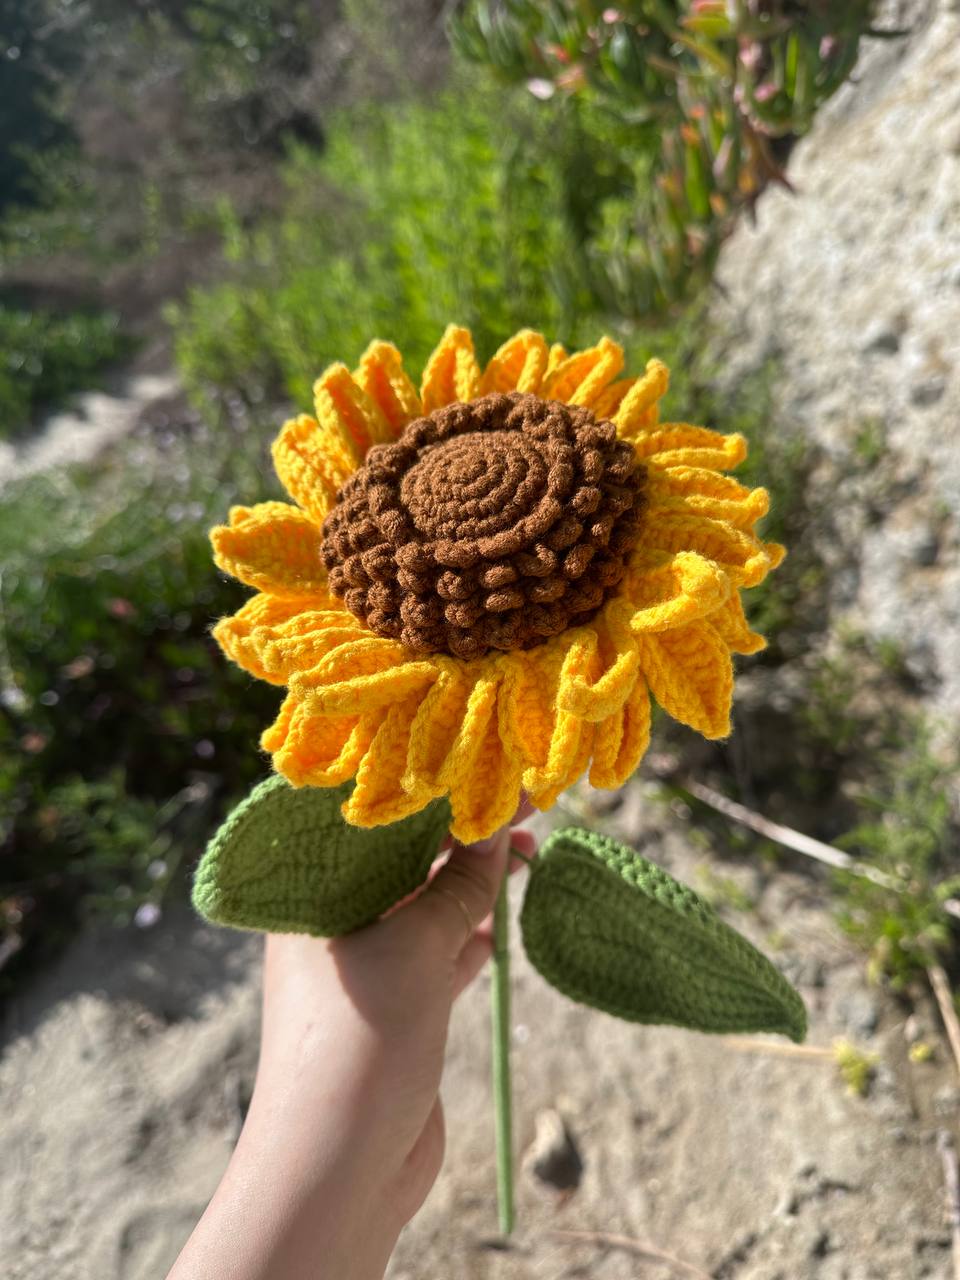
[{"x": 502, "y": 1090}]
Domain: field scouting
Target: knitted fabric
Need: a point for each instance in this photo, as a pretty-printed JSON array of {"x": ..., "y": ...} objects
[
  {"x": 414, "y": 721},
  {"x": 612, "y": 930},
  {"x": 286, "y": 862},
  {"x": 491, "y": 525},
  {"x": 600, "y": 923}
]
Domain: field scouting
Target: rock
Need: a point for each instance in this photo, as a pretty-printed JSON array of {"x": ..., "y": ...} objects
[
  {"x": 946, "y": 1101},
  {"x": 552, "y": 1158},
  {"x": 926, "y": 549},
  {"x": 873, "y": 219},
  {"x": 928, "y": 390},
  {"x": 880, "y": 338},
  {"x": 859, "y": 1013}
]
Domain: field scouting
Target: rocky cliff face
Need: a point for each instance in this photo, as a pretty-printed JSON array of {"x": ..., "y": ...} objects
[{"x": 853, "y": 284}]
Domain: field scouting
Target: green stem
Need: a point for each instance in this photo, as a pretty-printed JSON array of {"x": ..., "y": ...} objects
[{"x": 502, "y": 1096}]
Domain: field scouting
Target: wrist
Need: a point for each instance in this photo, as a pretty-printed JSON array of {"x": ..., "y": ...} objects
[{"x": 317, "y": 1197}]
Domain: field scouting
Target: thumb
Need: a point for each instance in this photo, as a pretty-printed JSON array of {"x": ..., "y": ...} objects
[{"x": 464, "y": 891}]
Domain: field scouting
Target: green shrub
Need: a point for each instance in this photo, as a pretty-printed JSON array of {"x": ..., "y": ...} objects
[
  {"x": 413, "y": 217},
  {"x": 123, "y": 731},
  {"x": 907, "y": 833},
  {"x": 44, "y": 356},
  {"x": 703, "y": 97}
]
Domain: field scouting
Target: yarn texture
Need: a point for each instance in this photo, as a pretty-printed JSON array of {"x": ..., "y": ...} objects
[
  {"x": 491, "y": 525},
  {"x": 602, "y": 924},
  {"x": 614, "y": 931},
  {"x": 483, "y": 582},
  {"x": 286, "y": 862}
]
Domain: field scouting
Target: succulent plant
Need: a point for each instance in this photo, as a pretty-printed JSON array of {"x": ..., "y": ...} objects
[{"x": 713, "y": 92}]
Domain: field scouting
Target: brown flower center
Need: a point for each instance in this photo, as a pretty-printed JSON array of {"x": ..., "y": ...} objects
[{"x": 488, "y": 525}]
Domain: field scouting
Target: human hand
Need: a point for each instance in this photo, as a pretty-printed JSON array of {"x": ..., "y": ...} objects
[{"x": 345, "y": 1133}]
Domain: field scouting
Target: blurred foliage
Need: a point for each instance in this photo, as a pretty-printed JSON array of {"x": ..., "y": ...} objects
[
  {"x": 701, "y": 101},
  {"x": 164, "y": 107},
  {"x": 908, "y": 834},
  {"x": 857, "y": 1068},
  {"x": 123, "y": 734},
  {"x": 61, "y": 61},
  {"x": 414, "y": 215},
  {"x": 32, "y": 60},
  {"x": 125, "y": 125},
  {"x": 45, "y": 356}
]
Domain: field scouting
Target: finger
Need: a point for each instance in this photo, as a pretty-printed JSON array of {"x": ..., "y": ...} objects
[
  {"x": 523, "y": 842},
  {"x": 471, "y": 960},
  {"x": 479, "y": 947},
  {"x": 464, "y": 890}
]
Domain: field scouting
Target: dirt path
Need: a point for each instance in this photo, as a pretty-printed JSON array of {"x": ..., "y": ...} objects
[
  {"x": 128, "y": 1068},
  {"x": 96, "y": 420}
]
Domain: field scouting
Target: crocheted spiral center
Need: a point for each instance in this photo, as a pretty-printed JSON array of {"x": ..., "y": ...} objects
[{"x": 488, "y": 525}]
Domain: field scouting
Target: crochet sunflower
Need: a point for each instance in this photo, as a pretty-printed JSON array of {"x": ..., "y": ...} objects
[
  {"x": 478, "y": 590},
  {"x": 482, "y": 583}
]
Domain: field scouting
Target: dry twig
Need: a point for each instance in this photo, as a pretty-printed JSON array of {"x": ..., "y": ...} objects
[
  {"x": 948, "y": 1011},
  {"x": 640, "y": 1247},
  {"x": 801, "y": 843},
  {"x": 951, "y": 1179},
  {"x": 749, "y": 1045}
]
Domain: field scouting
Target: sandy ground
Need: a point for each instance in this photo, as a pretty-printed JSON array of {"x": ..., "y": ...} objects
[{"x": 127, "y": 1070}]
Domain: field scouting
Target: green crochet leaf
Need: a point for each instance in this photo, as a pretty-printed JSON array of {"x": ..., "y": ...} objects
[
  {"x": 612, "y": 930},
  {"x": 286, "y": 861}
]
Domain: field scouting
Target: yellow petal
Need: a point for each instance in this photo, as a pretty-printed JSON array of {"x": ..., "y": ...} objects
[
  {"x": 311, "y": 464},
  {"x": 485, "y": 797},
  {"x": 346, "y": 412},
  {"x": 452, "y": 372},
  {"x": 519, "y": 365},
  {"x": 323, "y": 751},
  {"x": 580, "y": 759},
  {"x": 690, "y": 674},
  {"x": 609, "y": 400},
  {"x": 732, "y": 627},
  {"x": 557, "y": 356},
  {"x": 667, "y": 590},
  {"x": 382, "y": 376},
  {"x": 301, "y": 645},
  {"x": 273, "y": 547},
  {"x": 437, "y": 724},
  {"x": 582, "y": 377},
  {"x": 457, "y": 768},
  {"x": 241, "y": 635},
  {"x": 707, "y": 493},
  {"x": 775, "y": 555},
  {"x": 359, "y": 676},
  {"x": 621, "y": 740},
  {"x": 742, "y": 556},
  {"x": 596, "y": 686},
  {"x": 677, "y": 444},
  {"x": 640, "y": 408},
  {"x": 379, "y": 796},
  {"x": 527, "y": 704},
  {"x": 569, "y": 732},
  {"x": 275, "y": 735}
]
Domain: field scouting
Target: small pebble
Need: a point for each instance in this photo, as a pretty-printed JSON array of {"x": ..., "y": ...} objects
[{"x": 552, "y": 1158}]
